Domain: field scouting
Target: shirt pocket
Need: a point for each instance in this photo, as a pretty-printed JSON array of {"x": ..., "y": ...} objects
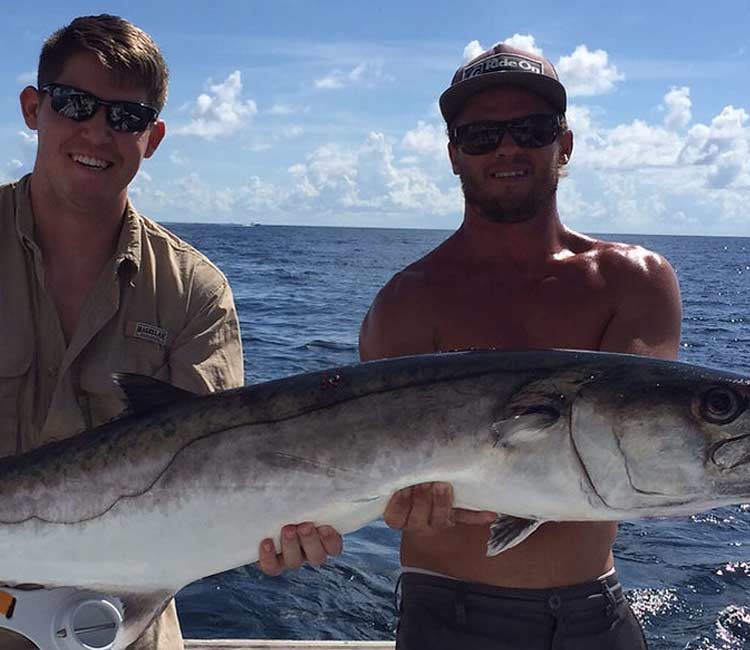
[
  {"x": 13, "y": 371},
  {"x": 146, "y": 349}
]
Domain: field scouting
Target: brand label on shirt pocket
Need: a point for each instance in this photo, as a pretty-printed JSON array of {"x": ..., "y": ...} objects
[{"x": 148, "y": 332}]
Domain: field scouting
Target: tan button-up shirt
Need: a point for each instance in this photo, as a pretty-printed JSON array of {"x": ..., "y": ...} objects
[{"x": 159, "y": 308}]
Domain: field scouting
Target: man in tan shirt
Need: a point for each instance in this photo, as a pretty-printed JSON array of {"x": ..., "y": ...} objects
[
  {"x": 513, "y": 276},
  {"x": 90, "y": 287}
]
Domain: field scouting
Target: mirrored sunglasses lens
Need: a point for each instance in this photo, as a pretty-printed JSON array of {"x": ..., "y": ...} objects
[
  {"x": 534, "y": 132},
  {"x": 477, "y": 140},
  {"x": 130, "y": 117},
  {"x": 76, "y": 106}
]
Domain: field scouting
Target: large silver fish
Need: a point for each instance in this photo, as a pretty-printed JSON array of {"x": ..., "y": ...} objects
[{"x": 187, "y": 486}]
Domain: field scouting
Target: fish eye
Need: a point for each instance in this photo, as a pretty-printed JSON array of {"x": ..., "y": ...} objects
[{"x": 720, "y": 405}]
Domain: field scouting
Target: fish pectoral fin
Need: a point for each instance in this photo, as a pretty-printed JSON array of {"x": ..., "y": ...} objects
[
  {"x": 139, "y": 611},
  {"x": 506, "y": 532},
  {"x": 522, "y": 430}
]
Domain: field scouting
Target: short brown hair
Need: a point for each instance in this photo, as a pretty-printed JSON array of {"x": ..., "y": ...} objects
[{"x": 121, "y": 47}]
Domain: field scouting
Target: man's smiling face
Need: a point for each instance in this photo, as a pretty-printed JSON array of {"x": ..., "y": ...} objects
[
  {"x": 510, "y": 184},
  {"x": 87, "y": 165}
]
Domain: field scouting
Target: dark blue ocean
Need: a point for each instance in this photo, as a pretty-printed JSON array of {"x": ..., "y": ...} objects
[{"x": 301, "y": 295}]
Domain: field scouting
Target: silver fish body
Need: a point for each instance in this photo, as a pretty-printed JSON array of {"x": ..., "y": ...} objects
[{"x": 187, "y": 486}]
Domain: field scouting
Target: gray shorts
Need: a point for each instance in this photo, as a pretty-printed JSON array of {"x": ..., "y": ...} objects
[{"x": 443, "y": 614}]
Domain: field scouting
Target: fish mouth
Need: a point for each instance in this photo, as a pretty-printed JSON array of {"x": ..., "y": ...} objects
[{"x": 732, "y": 453}]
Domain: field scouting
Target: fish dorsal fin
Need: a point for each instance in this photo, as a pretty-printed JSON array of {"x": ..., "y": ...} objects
[
  {"x": 144, "y": 393},
  {"x": 507, "y": 532}
]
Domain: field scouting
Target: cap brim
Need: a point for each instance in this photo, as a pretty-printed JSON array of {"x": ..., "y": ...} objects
[{"x": 546, "y": 87}]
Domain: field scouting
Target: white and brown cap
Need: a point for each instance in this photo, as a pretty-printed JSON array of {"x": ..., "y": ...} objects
[{"x": 503, "y": 65}]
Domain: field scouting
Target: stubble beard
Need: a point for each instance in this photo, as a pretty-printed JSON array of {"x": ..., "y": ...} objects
[{"x": 510, "y": 207}]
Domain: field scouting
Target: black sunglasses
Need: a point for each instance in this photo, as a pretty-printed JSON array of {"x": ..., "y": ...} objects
[
  {"x": 78, "y": 105},
  {"x": 531, "y": 131}
]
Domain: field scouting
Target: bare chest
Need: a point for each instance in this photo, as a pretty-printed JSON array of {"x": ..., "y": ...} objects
[{"x": 545, "y": 313}]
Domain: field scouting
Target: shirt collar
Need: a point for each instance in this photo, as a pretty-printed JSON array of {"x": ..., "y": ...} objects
[
  {"x": 128, "y": 249},
  {"x": 24, "y": 213},
  {"x": 129, "y": 244}
]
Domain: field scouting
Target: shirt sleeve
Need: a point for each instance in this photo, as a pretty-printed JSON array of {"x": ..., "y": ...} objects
[{"x": 207, "y": 354}]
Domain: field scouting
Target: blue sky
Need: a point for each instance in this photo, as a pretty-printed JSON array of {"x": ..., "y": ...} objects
[{"x": 325, "y": 112}]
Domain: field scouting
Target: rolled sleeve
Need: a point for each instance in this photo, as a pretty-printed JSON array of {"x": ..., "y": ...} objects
[{"x": 207, "y": 354}]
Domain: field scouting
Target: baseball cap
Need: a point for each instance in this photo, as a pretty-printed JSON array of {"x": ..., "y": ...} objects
[{"x": 503, "y": 65}]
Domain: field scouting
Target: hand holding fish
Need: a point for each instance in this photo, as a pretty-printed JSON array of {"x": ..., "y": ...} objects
[
  {"x": 299, "y": 544},
  {"x": 427, "y": 508}
]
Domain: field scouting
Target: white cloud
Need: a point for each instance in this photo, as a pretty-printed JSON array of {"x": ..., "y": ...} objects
[
  {"x": 368, "y": 73},
  {"x": 334, "y": 80},
  {"x": 586, "y": 73},
  {"x": 22, "y": 156},
  {"x": 663, "y": 175},
  {"x": 655, "y": 178},
  {"x": 29, "y": 138},
  {"x": 580, "y": 120},
  {"x": 222, "y": 112},
  {"x": 632, "y": 206},
  {"x": 178, "y": 159},
  {"x": 291, "y": 131},
  {"x": 717, "y": 152},
  {"x": 581, "y": 212},
  {"x": 12, "y": 170},
  {"x": 426, "y": 140},
  {"x": 472, "y": 51},
  {"x": 368, "y": 178},
  {"x": 633, "y": 146},
  {"x": 730, "y": 166},
  {"x": 192, "y": 195},
  {"x": 722, "y": 148},
  {"x": 265, "y": 139},
  {"x": 286, "y": 109},
  {"x": 677, "y": 103},
  {"x": 333, "y": 183},
  {"x": 524, "y": 42}
]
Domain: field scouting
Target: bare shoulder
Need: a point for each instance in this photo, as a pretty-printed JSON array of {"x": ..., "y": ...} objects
[
  {"x": 628, "y": 267},
  {"x": 646, "y": 294},
  {"x": 400, "y": 321}
]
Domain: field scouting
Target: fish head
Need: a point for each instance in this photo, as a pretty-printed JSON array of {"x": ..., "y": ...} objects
[
  {"x": 724, "y": 411},
  {"x": 664, "y": 438}
]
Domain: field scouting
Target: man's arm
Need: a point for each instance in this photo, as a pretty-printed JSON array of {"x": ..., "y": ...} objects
[
  {"x": 648, "y": 315},
  {"x": 207, "y": 354},
  {"x": 398, "y": 322}
]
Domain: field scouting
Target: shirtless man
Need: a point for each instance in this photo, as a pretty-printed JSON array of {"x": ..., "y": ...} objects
[{"x": 513, "y": 276}]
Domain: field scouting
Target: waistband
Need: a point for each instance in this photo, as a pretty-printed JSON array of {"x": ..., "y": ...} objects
[{"x": 579, "y": 595}]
